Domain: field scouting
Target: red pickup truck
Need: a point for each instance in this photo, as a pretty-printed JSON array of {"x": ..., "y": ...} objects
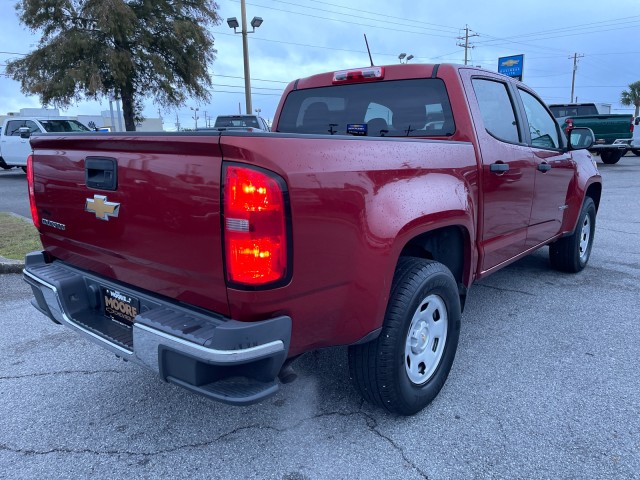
[{"x": 216, "y": 259}]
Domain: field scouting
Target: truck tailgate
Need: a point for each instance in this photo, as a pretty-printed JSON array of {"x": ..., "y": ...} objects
[{"x": 153, "y": 223}]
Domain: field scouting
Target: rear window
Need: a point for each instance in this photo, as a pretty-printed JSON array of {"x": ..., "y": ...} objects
[
  {"x": 573, "y": 110},
  {"x": 239, "y": 122},
  {"x": 399, "y": 108},
  {"x": 63, "y": 126}
]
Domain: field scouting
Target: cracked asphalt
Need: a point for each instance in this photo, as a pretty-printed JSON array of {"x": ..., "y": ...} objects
[{"x": 546, "y": 384}]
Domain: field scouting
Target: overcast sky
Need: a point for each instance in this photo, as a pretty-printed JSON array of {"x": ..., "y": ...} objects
[{"x": 304, "y": 37}]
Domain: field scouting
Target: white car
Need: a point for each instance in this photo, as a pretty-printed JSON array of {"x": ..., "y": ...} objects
[
  {"x": 635, "y": 140},
  {"x": 15, "y": 148}
]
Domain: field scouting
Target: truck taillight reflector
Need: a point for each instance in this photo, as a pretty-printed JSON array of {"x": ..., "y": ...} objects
[
  {"x": 32, "y": 200},
  {"x": 255, "y": 227}
]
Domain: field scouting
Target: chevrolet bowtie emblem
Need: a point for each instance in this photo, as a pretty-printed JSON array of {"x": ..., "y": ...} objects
[{"x": 101, "y": 207}]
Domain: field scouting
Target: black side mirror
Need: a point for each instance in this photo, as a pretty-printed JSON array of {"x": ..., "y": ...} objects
[
  {"x": 581, "y": 138},
  {"x": 24, "y": 132}
]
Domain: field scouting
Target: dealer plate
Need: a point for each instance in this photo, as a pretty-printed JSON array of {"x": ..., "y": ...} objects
[{"x": 120, "y": 306}]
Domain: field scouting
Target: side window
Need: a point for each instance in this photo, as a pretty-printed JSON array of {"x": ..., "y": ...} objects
[
  {"x": 496, "y": 109},
  {"x": 13, "y": 128},
  {"x": 542, "y": 126},
  {"x": 33, "y": 126}
]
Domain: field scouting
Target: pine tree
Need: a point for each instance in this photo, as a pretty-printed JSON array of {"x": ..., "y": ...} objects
[{"x": 137, "y": 49}]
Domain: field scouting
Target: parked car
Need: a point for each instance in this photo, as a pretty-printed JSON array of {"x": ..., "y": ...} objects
[
  {"x": 635, "y": 139},
  {"x": 241, "y": 122},
  {"x": 14, "y": 146},
  {"x": 359, "y": 221},
  {"x": 612, "y": 131}
]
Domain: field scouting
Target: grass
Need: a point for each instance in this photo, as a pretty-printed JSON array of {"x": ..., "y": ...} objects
[{"x": 17, "y": 237}]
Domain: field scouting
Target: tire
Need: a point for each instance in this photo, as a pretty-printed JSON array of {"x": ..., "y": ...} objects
[
  {"x": 636, "y": 152},
  {"x": 611, "y": 157},
  {"x": 571, "y": 254},
  {"x": 24, "y": 169},
  {"x": 4, "y": 165},
  {"x": 404, "y": 368}
]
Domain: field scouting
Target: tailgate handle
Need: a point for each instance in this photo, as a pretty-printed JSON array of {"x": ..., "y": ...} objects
[{"x": 101, "y": 173}]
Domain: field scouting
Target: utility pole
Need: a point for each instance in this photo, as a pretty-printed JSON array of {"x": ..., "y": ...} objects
[
  {"x": 575, "y": 68},
  {"x": 177, "y": 122},
  {"x": 466, "y": 42}
]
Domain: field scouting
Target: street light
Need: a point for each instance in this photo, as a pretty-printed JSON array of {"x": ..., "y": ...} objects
[
  {"x": 195, "y": 115},
  {"x": 255, "y": 23},
  {"x": 405, "y": 57}
]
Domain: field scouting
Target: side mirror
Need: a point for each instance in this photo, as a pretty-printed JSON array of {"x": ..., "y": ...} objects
[
  {"x": 581, "y": 138},
  {"x": 24, "y": 132}
]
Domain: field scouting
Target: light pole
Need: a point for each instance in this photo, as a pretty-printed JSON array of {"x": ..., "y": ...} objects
[
  {"x": 255, "y": 23},
  {"x": 195, "y": 115},
  {"x": 405, "y": 57}
]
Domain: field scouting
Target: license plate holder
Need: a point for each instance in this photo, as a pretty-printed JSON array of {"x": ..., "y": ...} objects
[{"x": 119, "y": 306}]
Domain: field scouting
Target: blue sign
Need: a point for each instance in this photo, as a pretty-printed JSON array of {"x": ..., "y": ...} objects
[{"x": 511, "y": 66}]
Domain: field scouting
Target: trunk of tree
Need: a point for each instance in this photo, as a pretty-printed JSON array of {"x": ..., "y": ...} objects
[{"x": 128, "y": 106}]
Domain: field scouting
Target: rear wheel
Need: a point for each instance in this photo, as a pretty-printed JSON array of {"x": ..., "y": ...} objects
[
  {"x": 636, "y": 152},
  {"x": 612, "y": 156},
  {"x": 404, "y": 369},
  {"x": 571, "y": 254}
]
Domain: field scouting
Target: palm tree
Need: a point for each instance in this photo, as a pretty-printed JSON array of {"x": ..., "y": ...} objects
[{"x": 632, "y": 96}]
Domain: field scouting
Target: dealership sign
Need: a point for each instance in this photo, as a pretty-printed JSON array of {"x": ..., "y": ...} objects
[{"x": 511, "y": 66}]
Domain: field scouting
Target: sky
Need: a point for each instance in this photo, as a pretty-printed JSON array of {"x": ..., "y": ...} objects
[{"x": 305, "y": 37}]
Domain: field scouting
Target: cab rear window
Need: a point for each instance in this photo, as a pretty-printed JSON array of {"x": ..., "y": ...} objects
[{"x": 399, "y": 108}]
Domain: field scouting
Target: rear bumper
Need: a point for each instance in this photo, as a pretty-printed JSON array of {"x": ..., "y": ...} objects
[
  {"x": 223, "y": 359},
  {"x": 619, "y": 144}
]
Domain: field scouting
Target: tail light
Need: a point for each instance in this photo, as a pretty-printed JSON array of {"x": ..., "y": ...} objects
[
  {"x": 256, "y": 234},
  {"x": 32, "y": 200},
  {"x": 569, "y": 125}
]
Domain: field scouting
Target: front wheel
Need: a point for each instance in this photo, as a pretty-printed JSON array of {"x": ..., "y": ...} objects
[
  {"x": 404, "y": 369},
  {"x": 571, "y": 254},
  {"x": 636, "y": 152},
  {"x": 612, "y": 156}
]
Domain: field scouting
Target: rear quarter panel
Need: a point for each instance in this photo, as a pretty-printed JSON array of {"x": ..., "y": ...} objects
[{"x": 355, "y": 204}]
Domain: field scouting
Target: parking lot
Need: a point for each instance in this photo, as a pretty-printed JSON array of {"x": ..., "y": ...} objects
[{"x": 546, "y": 384}]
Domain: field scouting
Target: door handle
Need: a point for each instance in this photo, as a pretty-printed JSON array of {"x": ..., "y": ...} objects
[
  {"x": 544, "y": 167},
  {"x": 499, "y": 167},
  {"x": 101, "y": 173}
]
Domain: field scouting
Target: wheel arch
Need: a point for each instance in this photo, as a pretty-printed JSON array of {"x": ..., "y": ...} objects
[
  {"x": 451, "y": 246},
  {"x": 595, "y": 192}
]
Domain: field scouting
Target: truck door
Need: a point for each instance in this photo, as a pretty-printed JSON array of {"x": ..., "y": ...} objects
[
  {"x": 554, "y": 170},
  {"x": 507, "y": 174},
  {"x": 15, "y": 149}
]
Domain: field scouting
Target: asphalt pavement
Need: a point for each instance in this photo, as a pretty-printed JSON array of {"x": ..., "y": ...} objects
[{"x": 546, "y": 384}]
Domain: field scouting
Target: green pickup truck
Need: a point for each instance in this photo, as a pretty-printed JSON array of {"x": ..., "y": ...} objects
[{"x": 612, "y": 131}]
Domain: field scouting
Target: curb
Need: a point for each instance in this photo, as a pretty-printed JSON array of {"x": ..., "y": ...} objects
[{"x": 10, "y": 266}]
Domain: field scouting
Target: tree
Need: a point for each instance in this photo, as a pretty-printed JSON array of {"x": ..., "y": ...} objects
[
  {"x": 89, "y": 49},
  {"x": 631, "y": 96}
]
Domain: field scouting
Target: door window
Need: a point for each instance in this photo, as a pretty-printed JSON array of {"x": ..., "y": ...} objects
[
  {"x": 496, "y": 109},
  {"x": 14, "y": 126},
  {"x": 542, "y": 126}
]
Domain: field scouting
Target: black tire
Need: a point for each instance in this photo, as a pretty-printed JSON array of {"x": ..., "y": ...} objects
[
  {"x": 636, "y": 152},
  {"x": 612, "y": 156},
  {"x": 571, "y": 254},
  {"x": 381, "y": 370},
  {"x": 4, "y": 165},
  {"x": 24, "y": 169}
]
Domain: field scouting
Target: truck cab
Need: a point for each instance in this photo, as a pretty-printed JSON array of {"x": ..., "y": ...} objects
[{"x": 14, "y": 145}]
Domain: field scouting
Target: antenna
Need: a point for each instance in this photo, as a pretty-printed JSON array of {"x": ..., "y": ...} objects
[{"x": 368, "y": 51}]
